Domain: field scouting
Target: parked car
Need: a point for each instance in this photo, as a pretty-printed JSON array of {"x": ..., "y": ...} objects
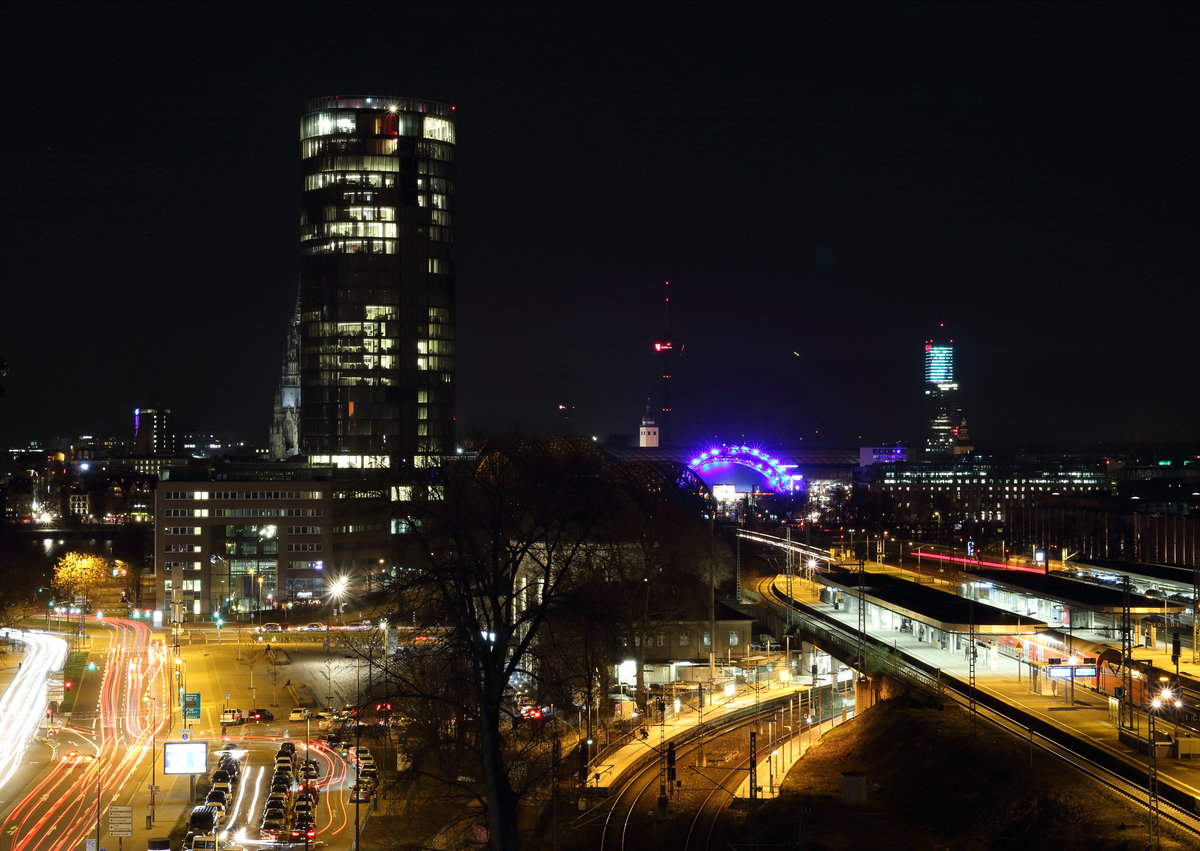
[
  {"x": 298, "y": 714},
  {"x": 262, "y": 715},
  {"x": 271, "y": 828},
  {"x": 360, "y": 795},
  {"x": 303, "y": 831}
]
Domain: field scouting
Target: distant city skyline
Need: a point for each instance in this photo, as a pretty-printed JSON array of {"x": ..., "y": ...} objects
[{"x": 818, "y": 202}]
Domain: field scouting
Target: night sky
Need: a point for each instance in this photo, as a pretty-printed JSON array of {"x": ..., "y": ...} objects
[{"x": 822, "y": 185}]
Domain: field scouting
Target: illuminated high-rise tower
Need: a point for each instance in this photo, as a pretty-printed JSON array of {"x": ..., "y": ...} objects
[
  {"x": 947, "y": 427},
  {"x": 377, "y": 302}
]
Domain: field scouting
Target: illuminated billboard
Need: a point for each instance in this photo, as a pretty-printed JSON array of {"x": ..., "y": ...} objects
[{"x": 185, "y": 758}]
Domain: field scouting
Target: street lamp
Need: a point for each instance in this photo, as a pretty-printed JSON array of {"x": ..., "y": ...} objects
[
  {"x": 1164, "y": 699},
  {"x": 337, "y": 593},
  {"x": 96, "y": 759},
  {"x": 153, "y": 750},
  {"x": 181, "y": 689}
]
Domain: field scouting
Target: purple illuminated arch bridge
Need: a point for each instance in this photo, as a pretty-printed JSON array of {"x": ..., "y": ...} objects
[{"x": 770, "y": 468}]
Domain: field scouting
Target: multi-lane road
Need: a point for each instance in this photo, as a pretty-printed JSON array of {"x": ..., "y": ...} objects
[
  {"x": 59, "y": 776},
  {"x": 84, "y": 766},
  {"x": 23, "y": 704}
]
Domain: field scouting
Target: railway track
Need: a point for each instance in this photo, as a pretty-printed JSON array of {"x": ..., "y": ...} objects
[{"x": 693, "y": 814}]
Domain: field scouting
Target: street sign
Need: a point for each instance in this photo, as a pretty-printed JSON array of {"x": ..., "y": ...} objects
[
  {"x": 228, "y": 695},
  {"x": 184, "y": 735},
  {"x": 1065, "y": 671},
  {"x": 191, "y": 704}
]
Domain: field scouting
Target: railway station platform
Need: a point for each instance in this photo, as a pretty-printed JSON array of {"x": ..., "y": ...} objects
[
  {"x": 1085, "y": 711},
  {"x": 793, "y": 701}
]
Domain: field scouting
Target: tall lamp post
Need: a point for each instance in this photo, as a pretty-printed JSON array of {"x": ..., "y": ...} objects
[
  {"x": 153, "y": 751},
  {"x": 1164, "y": 699},
  {"x": 337, "y": 593},
  {"x": 181, "y": 689},
  {"x": 96, "y": 758}
]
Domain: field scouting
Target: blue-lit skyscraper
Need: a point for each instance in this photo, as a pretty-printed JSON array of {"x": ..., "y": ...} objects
[{"x": 947, "y": 428}]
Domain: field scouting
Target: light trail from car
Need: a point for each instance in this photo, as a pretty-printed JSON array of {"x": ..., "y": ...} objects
[{"x": 23, "y": 705}]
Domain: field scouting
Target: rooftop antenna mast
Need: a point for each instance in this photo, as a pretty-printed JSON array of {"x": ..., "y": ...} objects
[{"x": 664, "y": 349}]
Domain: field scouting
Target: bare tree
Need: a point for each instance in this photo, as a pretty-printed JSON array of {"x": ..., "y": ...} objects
[
  {"x": 252, "y": 659},
  {"x": 499, "y": 547},
  {"x": 657, "y": 560},
  {"x": 329, "y": 669},
  {"x": 275, "y": 662}
]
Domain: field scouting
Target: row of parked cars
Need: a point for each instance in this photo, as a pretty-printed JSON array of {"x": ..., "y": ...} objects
[
  {"x": 206, "y": 819},
  {"x": 234, "y": 717},
  {"x": 289, "y": 811},
  {"x": 366, "y": 773}
]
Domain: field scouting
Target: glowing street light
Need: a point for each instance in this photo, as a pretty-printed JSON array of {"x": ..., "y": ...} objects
[
  {"x": 337, "y": 592},
  {"x": 1165, "y": 699}
]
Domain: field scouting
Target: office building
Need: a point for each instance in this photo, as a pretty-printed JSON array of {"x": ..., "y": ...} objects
[
  {"x": 947, "y": 428},
  {"x": 236, "y": 538},
  {"x": 152, "y": 431},
  {"x": 985, "y": 490},
  {"x": 377, "y": 294}
]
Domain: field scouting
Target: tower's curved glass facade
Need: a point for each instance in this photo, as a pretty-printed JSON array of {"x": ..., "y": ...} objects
[
  {"x": 377, "y": 309},
  {"x": 941, "y": 395}
]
